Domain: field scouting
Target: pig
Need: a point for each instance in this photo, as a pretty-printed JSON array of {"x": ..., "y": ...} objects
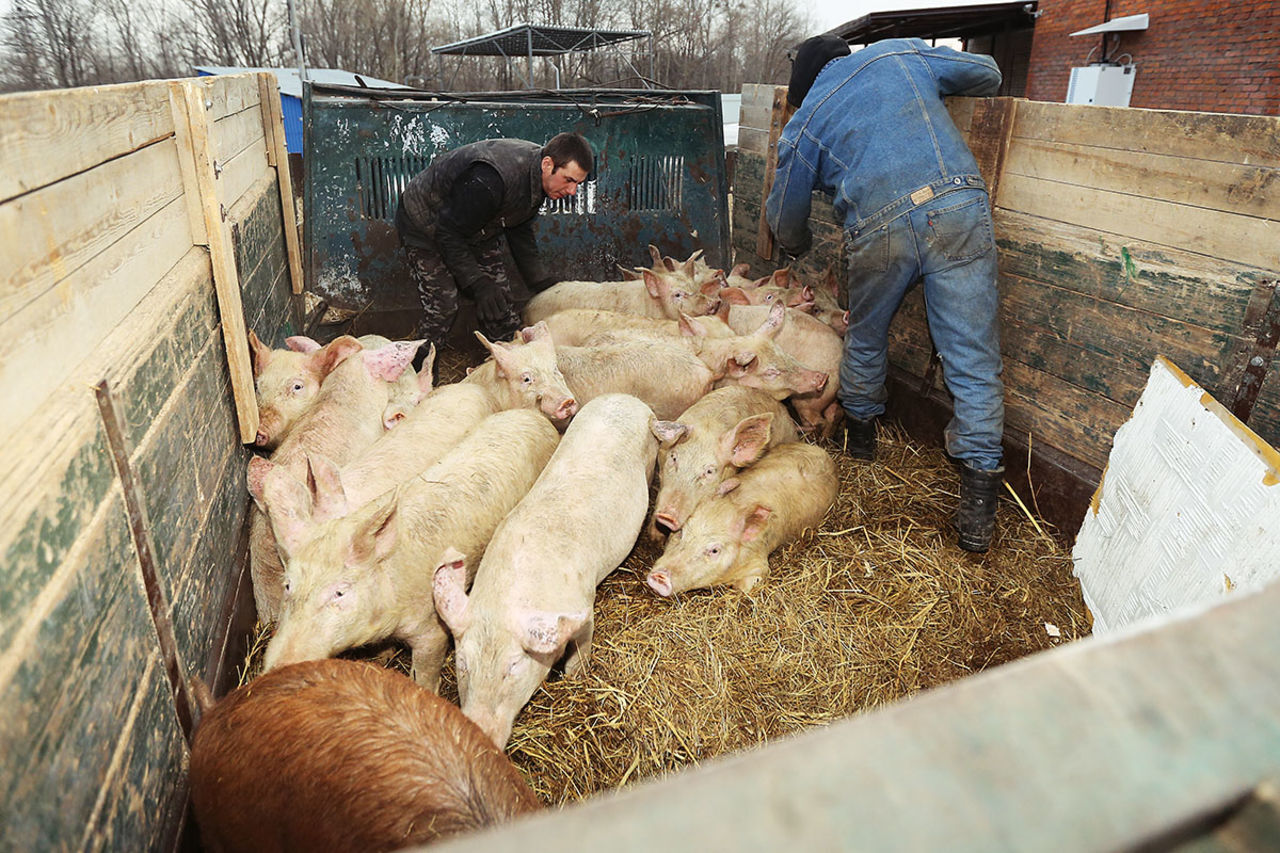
[
  {"x": 814, "y": 345},
  {"x": 574, "y": 327},
  {"x": 524, "y": 374},
  {"x": 409, "y": 388},
  {"x": 780, "y": 286},
  {"x": 340, "y": 755},
  {"x": 725, "y": 431},
  {"x": 345, "y": 418},
  {"x": 366, "y": 576},
  {"x": 665, "y": 376},
  {"x": 534, "y": 591},
  {"x": 728, "y": 538},
  {"x": 287, "y": 381},
  {"x": 661, "y": 296},
  {"x": 827, "y": 304}
]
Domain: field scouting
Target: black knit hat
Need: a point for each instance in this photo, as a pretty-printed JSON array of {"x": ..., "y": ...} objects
[{"x": 811, "y": 56}]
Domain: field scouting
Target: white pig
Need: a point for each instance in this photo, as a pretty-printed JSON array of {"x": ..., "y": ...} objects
[
  {"x": 345, "y": 418},
  {"x": 367, "y": 576},
  {"x": 406, "y": 392},
  {"x": 728, "y": 538},
  {"x": 573, "y": 327},
  {"x": 661, "y": 296},
  {"x": 666, "y": 376},
  {"x": 535, "y": 589},
  {"x": 725, "y": 431},
  {"x": 524, "y": 374}
]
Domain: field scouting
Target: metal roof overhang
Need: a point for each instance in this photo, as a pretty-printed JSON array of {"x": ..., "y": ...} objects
[
  {"x": 527, "y": 39},
  {"x": 947, "y": 22},
  {"x": 1117, "y": 25}
]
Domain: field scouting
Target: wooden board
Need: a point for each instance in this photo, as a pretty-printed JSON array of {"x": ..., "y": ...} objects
[
  {"x": 278, "y": 157},
  {"x": 240, "y": 173},
  {"x": 48, "y": 136},
  {"x": 781, "y": 112},
  {"x": 235, "y": 133},
  {"x": 1078, "y": 422},
  {"x": 1239, "y": 239}
]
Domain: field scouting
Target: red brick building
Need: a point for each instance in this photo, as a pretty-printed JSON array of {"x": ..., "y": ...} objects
[{"x": 1205, "y": 55}]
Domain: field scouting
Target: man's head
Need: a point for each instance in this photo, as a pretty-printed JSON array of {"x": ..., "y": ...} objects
[
  {"x": 812, "y": 54},
  {"x": 566, "y": 161}
]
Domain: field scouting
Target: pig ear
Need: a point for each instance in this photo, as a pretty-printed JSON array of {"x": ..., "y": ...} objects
[
  {"x": 728, "y": 486},
  {"x": 782, "y": 277},
  {"x": 628, "y": 274},
  {"x": 740, "y": 362},
  {"x": 807, "y": 294},
  {"x": 755, "y": 522},
  {"x": 546, "y": 633},
  {"x": 261, "y": 354},
  {"x": 744, "y": 444},
  {"x": 691, "y": 327},
  {"x": 375, "y": 534},
  {"x": 388, "y": 362},
  {"x": 449, "y": 588},
  {"x": 301, "y": 343},
  {"x": 537, "y": 332},
  {"x": 723, "y": 309},
  {"x": 498, "y": 350},
  {"x": 668, "y": 432},
  {"x": 329, "y": 356},
  {"x": 287, "y": 503},
  {"x": 328, "y": 496},
  {"x": 773, "y": 324},
  {"x": 655, "y": 255},
  {"x": 653, "y": 284},
  {"x": 740, "y": 270},
  {"x": 734, "y": 296}
]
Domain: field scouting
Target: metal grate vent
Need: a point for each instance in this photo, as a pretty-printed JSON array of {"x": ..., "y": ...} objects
[
  {"x": 656, "y": 183},
  {"x": 580, "y": 203},
  {"x": 380, "y": 180}
]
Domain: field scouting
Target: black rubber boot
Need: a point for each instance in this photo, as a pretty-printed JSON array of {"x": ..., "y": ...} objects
[
  {"x": 860, "y": 438},
  {"x": 976, "y": 516}
]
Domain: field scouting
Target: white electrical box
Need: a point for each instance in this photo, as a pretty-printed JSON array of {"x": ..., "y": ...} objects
[{"x": 1103, "y": 85}]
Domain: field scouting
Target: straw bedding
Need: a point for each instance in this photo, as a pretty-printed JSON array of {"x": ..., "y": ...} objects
[{"x": 875, "y": 605}]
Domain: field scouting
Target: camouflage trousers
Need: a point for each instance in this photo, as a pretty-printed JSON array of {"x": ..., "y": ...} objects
[{"x": 439, "y": 293}]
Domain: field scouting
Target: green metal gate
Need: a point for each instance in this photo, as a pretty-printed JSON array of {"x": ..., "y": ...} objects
[{"x": 659, "y": 178}]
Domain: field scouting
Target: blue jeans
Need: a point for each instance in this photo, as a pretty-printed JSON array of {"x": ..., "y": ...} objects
[{"x": 947, "y": 242}]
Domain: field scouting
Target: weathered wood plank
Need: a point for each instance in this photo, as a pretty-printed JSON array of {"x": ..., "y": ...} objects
[
  {"x": 1265, "y": 417},
  {"x": 43, "y": 342},
  {"x": 234, "y": 133},
  {"x": 1074, "y": 420},
  {"x": 140, "y": 796},
  {"x": 988, "y": 133},
  {"x": 1179, "y": 285},
  {"x": 84, "y": 648},
  {"x": 239, "y": 174},
  {"x": 782, "y": 110},
  {"x": 49, "y": 136},
  {"x": 221, "y": 253},
  {"x": 1227, "y": 187},
  {"x": 961, "y": 110},
  {"x": 47, "y": 235},
  {"x": 1239, "y": 239},
  {"x": 1121, "y": 340},
  {"x": 753, "y": 140},
  {"x": 225, "y": 94},
  {"x": 757, "y": 108},
  {"x": 1199, "y": 136},
  {"x": 278, "y": 157}
]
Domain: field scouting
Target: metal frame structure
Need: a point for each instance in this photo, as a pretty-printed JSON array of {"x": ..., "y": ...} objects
[{"x": 529, "y": 40}]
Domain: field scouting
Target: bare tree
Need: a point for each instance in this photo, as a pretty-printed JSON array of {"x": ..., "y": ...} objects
[
  {"x": 384, "y": 38},
  {"x": 52, "y": 43},
  {"x": 240, "y": 32}
]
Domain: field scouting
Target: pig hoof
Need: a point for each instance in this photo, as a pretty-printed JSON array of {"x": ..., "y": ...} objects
[{"x": 660, "y": 583}]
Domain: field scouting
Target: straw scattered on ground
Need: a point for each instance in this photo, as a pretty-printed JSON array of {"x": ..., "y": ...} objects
[{"x": 875, "y": 605}]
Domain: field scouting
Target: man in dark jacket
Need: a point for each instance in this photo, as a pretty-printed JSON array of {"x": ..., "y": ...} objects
[
  {"x": 456, "y": 215},
  {"x": 872, "y": 130}
]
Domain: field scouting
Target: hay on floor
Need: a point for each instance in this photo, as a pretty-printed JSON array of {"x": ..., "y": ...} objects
[{"x": 876, "y": 604}]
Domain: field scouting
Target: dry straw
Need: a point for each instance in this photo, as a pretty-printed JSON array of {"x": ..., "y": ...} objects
[{"x": 875, "y": 605}]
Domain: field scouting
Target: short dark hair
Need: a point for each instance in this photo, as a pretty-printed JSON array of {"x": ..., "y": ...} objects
[{"x": 566, "y": 147}]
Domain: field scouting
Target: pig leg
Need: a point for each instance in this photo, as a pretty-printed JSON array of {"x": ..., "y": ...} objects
[
  {"x": 428, "y": 657},
  {"x": 580, "y": 650}
]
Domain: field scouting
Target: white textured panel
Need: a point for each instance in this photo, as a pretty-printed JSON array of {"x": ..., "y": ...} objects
[{"x": 1189, "y": 508}]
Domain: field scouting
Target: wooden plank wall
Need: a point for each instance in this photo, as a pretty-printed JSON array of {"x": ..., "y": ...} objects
[
  {"x": 1123, "y": 234},
  {"x": 108, "y": 304}
]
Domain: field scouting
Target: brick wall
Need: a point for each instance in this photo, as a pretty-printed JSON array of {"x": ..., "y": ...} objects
[{"x": 1204, "y": 55}]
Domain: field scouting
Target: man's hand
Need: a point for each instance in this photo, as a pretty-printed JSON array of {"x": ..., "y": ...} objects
[{"x": 491, "y": 303}]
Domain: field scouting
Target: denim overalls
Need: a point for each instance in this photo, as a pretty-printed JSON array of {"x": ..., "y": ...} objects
[{"x": 873, "y": 132}]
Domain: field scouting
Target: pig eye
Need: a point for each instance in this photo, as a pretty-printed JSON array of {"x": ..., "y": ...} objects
[
  {"x": 768, "y": 297},
  {"x": 511, "y": 667},
  {"x": 297, "y": 387},
  {"x": 288, "y": 586},
  {"x": 677, "y": 294},
  {"x": 527, "y": 379},
  {"x": 713, "y": 550},
  {"x": 338, "y": 593},
  {"x": 711, "y": 469}
]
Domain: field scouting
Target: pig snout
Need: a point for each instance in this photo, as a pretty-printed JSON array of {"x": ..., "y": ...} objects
[
  {"x": 666, "y": 522},
  {"x": 558, "y": 410},
  {"x": 261, "y": 439},
  {"x": 659, "y": 582},
  {"x": 491, "y": 724}
]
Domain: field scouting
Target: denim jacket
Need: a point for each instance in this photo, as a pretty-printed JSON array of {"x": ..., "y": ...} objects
[{"x": 873, "y": 132}]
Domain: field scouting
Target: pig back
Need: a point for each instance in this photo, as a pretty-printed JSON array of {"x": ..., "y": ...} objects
[
  {"x": 340, "y": 755},
  {"x": 797, "y": 481},
  {"x": 665, "y": 376},
  {"x": 629, "y": 297},
  {"x": 588, "y": 505}
]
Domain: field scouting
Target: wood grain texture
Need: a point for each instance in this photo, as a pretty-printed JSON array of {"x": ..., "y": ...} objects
[{"x": 278, "y": 157}]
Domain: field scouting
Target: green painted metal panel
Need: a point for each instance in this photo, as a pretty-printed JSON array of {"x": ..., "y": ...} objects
[{"x": 659, "y": 178}]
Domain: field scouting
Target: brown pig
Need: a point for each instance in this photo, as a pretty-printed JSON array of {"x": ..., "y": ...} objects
[
  {"x": 725, "y": 431},
  {"x": 339, "y": 755},
  {"x": 661, "y": 296},
  {"x": 534, "y": 591},
  {"x": 728, "y": 538},
  {"x": 345, "y": 418},
  {"x": 366, "y": 576},
  {"x": 524, "y": 374}
]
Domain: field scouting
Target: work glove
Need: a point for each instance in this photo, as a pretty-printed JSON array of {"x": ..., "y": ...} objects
[{"x": 492, "y": 307}]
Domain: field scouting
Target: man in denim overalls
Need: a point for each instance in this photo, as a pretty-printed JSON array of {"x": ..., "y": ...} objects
[{"x": 872, "y": 130}]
